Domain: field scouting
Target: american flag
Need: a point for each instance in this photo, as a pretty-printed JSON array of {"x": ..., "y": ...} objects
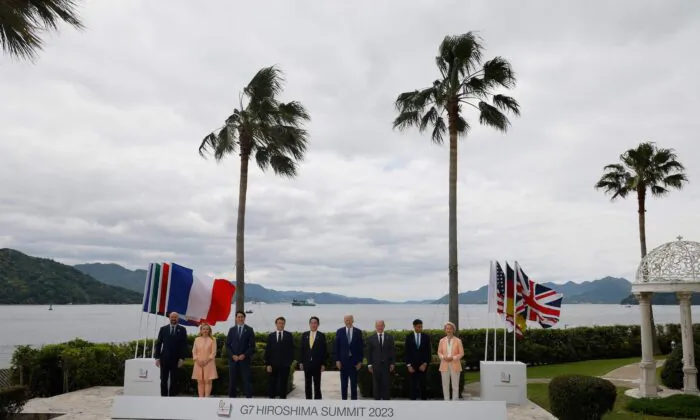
[
  {"x": 504, "y": 293},
  {"x": 539, "y": 303}
]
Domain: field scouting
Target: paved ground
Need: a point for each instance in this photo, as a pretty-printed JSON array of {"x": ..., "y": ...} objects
[{"x": 96, "y": 403}]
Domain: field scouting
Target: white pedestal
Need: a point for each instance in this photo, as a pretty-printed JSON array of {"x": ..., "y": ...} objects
[
  {"x": 141, "y": 378},
  {"x": 504, "y": 381}
]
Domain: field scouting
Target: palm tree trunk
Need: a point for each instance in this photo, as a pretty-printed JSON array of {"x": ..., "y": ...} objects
[
  {"x": 641, "y": 208},
  {"x": 453, "y": 310},
  {"x": 240, "y": 231}
]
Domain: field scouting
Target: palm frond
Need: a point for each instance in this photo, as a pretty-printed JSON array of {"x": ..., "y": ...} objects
[
  {"x": 293, "y": 113},
  {"x": 21, "y": 23},
  {"x": 266, "y": 84},
  {"x": 506, "y": 103},
  {"x": 498, "y": 72},
  {"x": 283, "y": 165},
  {"x": 491, "y": 116}
]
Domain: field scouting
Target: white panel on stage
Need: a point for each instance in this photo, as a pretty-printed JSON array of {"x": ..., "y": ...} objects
[
  {"x": 185, "y": 408},
  {"x": 504, "y": 381},
  {"x": 141, "y": 377}
]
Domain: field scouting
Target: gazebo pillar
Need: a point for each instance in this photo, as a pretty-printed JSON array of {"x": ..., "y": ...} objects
[
  {"x": 690, "y": 372},
  {"x": 647, "y": 385}
]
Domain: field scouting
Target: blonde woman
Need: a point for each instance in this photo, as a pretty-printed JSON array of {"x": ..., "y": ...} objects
[
  {"x": 450, "y": 352},
  {"x": 204, "y": 355}
]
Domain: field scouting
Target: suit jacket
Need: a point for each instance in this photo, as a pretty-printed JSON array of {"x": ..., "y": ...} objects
[
  {"x": 384, "y": 355},
  {"x": 414, "y": 355},
  {"x": 171, "y": 348},
  {"x": 349, "y": 353},
  {"x": 457, "y": 353},
  {"x": 279, "y": 353},
  {"x": 245, "y": 344},
  {"x": 313, "y": 357}
]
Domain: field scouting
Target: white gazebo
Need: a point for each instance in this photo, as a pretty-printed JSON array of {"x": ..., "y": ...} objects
[{"x": 672, "y": 267}]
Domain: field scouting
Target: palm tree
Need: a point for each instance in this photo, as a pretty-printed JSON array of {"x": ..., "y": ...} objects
[
  {"x": 267, "y": 129},
  {"x": 464, "y": 82},
  {"x": 644, "y": 169},
  {"x": 23, "y": 21}
]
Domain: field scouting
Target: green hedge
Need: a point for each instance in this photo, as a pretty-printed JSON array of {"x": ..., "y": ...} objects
[
  {"x": 400, "y": 382},
  {"x": 672, "y": 371},
  {"x": 579, "y": 397},
  {"x": 78, "y": 364},
  {"x": 675, "y": 406},
  {"x": 12, "y": 401}
]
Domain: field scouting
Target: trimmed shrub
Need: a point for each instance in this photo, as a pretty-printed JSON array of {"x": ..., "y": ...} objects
[
  {"x": 12, "y": 401},
  {"x": 672, "y": 371},
  {"x": 578, "y": 397},
  {"x": 674, "y": 406},
  {"x": 401, "y": 382}
]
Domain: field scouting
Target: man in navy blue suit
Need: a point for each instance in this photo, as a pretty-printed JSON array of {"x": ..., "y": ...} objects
[
  {"x": 240, "y": 344},
  {"x": 349, "y": 347}
]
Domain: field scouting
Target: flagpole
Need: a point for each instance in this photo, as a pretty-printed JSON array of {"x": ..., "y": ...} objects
[
  {"x": 167, "y": 293},
  {"x": 505, "y": 313},
  {"x": 143, "y": 301},
  {"x": 488, "y": 318},
  {"x": 148, "y": 303},
  {"x": 515, "y": 301},
  {"x": 494, "y": 336},
  {"x": 155, "y": 327}
]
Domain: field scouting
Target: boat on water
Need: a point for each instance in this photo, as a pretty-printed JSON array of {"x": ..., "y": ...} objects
[
  {"x": 249, "y": 311},
  {"x": 303, "y": 302}
]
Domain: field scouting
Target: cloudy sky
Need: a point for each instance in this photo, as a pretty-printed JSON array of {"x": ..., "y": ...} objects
[{"x": 98, "y": 155}]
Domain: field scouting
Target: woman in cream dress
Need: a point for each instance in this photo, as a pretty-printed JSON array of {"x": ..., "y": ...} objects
[
  {"x": 450, "y": 352},
  {"x": 204, "y": 356}
]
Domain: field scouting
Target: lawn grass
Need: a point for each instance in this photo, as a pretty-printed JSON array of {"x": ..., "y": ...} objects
[
  {"x": 589, "y": 367},
  {"x": 538, "y": 393}
]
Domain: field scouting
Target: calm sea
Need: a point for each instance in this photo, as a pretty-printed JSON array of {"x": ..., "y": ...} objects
[{"x": 36, "y": 325}]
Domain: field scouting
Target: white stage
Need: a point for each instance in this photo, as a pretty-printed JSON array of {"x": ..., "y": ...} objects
[
  {"x": 504, "y": 381},
  {"x": 185, "y": 408},
  {"x": 141, "y": 378}
]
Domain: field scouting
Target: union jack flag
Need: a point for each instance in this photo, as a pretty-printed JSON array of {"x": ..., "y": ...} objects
[{"x": 539, "y": 303}]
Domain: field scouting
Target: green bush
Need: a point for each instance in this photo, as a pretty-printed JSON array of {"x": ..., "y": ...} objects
[
  {"x": 674, "y": 406},
  {"x": 400, "y": 382},
  {"x": 578, "y": 397},
  {"x": 672, "y": 371},
  {"x": 12, "y": 401}
]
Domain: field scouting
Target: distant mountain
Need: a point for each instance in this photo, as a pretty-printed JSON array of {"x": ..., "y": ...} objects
[
  {"x": 116, "y": 275},
  {"x": 661, "y": 299},
  {"x": 608, "y": 290},
  {"x": 40, "y": 281}
]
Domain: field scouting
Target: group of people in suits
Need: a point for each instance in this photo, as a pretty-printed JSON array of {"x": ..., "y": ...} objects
[{"x": 349, "y": 351}]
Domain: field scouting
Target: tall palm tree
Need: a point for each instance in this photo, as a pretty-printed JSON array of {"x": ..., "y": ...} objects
[
  {"x": 23, "y": 21},
  {"x": 267, "y": 129},
  {"x": 644, "y": 169},
  {"x": 464, "y": 82}
]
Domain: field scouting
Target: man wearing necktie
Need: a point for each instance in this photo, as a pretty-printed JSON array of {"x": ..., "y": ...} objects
[
  {"x": 349, "y": 349},
  {"x": 170, "y": 350},
  {"x": 314, "y": 353},
  {"x": 418, "y": 354},
  {"x": 381, "y": 357},
  {"x": 279, "y": 353},
  {"x": 240, "y": 344}
]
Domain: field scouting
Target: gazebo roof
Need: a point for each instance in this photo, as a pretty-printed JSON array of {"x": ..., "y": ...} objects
[{"x": 671, "y": 267}]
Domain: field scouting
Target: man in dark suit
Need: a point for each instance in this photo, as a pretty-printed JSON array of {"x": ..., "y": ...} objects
[
  {"x": 279, "y": 353},
  {"x": 171, "y": 348},
  {"x": 349, "y": 348},
  {"x": 240, "y": 344},
  {"x": 418, "y": 355},
  {"x": 314, "y": 353},
  {"x": 381, "y": 357}
]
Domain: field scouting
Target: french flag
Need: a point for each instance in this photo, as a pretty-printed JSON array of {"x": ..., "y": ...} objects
[{"x": 198, "y": 298}]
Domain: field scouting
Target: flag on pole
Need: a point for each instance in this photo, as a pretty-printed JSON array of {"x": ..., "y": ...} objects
[
  {"x": 156, "y": 289},
  {"x": 198, "y": 298},
  {"x": 505, "y": 296},
  {"x": 492, "y": 289},
  {"x": 539, "y": 303}
]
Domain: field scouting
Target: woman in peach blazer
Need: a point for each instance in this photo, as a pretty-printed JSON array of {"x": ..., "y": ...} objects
[
  {"x": 204, "y": 356},
  {"x": 450, "y": 352}
]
